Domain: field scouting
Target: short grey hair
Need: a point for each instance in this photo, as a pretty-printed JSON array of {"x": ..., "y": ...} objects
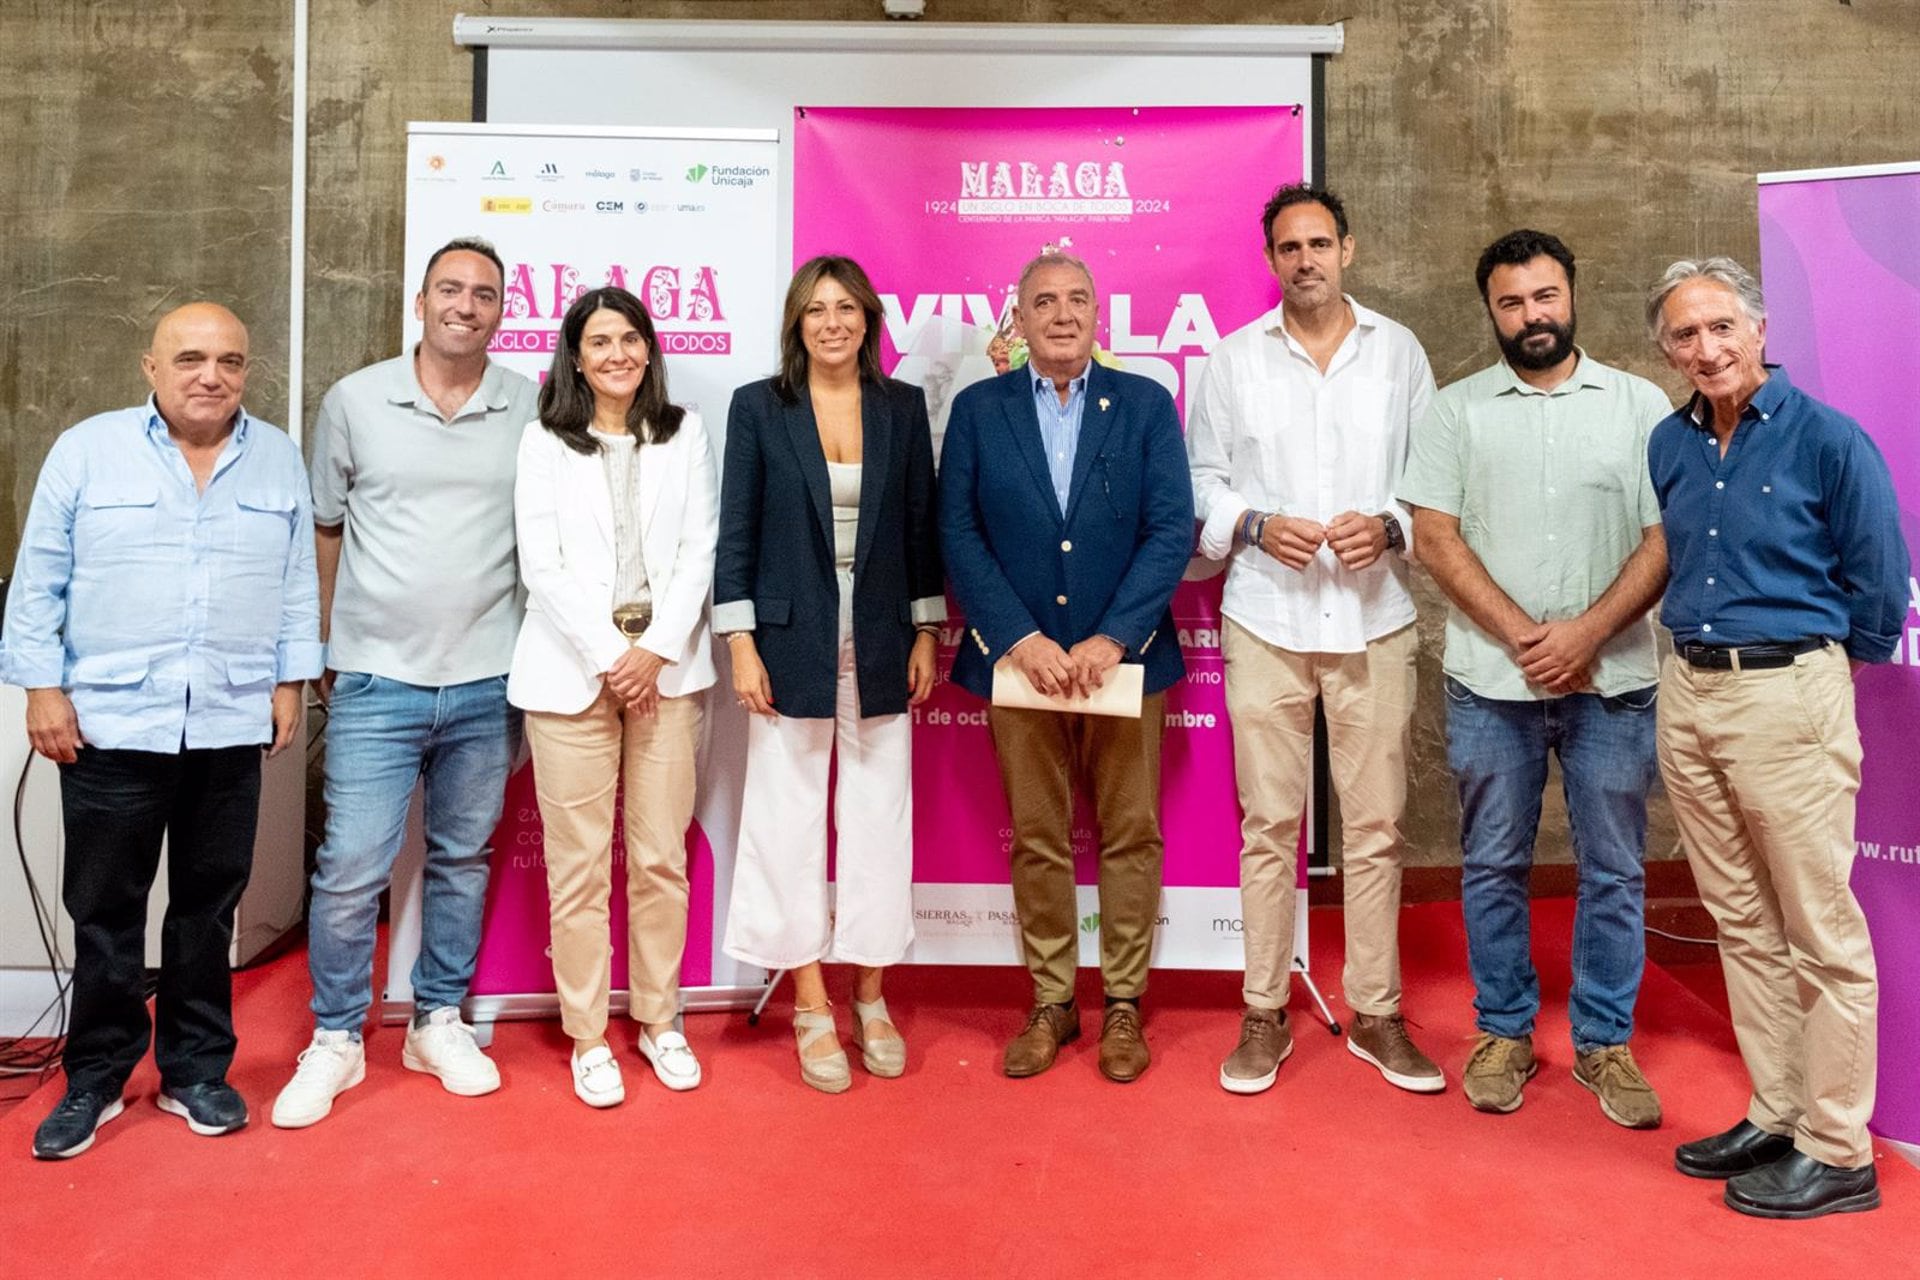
[
  {"x": 1050, "y": 258},
  {"x": 1722, "y": 271}
]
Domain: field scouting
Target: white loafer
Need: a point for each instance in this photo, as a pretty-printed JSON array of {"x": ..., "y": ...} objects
[
  {"x": 672, "y": 1059},
  {"x": 596, "y": 1078}
]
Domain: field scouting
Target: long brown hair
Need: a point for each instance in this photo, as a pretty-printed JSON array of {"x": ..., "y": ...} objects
[{"x": 787, "y": 383}]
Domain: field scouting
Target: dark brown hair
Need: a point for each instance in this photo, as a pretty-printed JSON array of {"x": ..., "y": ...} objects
[
  {"x": 465, "y": 244},
  {"x": 792, "y": 376},
  {"x": 566, "y": 401}
]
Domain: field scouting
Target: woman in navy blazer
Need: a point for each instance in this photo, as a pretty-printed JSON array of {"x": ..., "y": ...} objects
[{"x": 827, "y": 586}]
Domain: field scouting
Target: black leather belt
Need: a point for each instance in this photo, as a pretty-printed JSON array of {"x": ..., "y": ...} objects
[{"x": 1748, "y": 657}]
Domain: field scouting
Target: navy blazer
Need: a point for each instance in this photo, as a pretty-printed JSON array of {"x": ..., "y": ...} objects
[
  {"x": 774, "y": 570},
  {"x": 1109, "y": 566}
]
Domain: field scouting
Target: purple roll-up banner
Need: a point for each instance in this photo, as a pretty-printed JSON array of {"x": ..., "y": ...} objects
[{"x": 1840, "y": 256}]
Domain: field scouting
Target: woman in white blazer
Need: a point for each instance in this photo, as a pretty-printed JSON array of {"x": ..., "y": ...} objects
[{"x": 616, "y": 511}]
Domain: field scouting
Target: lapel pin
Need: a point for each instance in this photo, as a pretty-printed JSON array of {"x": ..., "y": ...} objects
[{"x": 1104, "y": 402}]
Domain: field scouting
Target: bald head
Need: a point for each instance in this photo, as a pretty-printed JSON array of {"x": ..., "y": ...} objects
[{"x": 197, "y": 367}]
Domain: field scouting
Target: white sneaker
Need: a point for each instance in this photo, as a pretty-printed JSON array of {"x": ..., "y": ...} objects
[
  {"x": 334, "y": 1063},
  {"x": 672, "y": 1059},
  {"x": 596, "y": 1078},
  {"x": 444, "y": 1046}
]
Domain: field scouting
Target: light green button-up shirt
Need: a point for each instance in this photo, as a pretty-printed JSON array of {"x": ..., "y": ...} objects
[{"x": 1552, "y": 493}]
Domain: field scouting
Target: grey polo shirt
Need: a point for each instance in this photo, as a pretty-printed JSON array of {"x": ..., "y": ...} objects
[
  {"x": 1552, "y": 493},
  {"x": 428, "y": 589}
]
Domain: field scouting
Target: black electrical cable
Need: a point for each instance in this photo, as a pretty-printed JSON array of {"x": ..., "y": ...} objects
[{"x": 27, "y": 1054}]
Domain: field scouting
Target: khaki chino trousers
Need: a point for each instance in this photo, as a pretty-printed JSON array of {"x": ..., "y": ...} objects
[
  {"x": 1369, "y": 699},
  {"x": 577, "y": 762},
  {"x": 1762, "y": 768},
  {"x": 1041, "y": 753}
]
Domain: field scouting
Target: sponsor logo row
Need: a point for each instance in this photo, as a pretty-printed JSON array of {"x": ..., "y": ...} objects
[
  {"x": 953, "y": 920},
  {"x": 622, "y": 208},
  {"x": 439, "y": 168}
]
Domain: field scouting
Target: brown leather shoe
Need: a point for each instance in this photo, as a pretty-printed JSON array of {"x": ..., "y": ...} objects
[
  {"x": 1265, "y": 1042},
  {"x": 1123, "y": 1045},
  {"x": 1381, "y": 1041},
  {"x": 1048, "y": 1027}
]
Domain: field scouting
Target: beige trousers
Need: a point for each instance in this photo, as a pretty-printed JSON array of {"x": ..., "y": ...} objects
[
  {"x": 1369, "y": 704},
  {"x": 1762, "y": 768},
  {"x": 577, "y": 761}
]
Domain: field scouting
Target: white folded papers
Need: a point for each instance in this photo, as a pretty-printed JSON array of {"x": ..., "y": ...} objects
[{"x": 1118, "y": 696}]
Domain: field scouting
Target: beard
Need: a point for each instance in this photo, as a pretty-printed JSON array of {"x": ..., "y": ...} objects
[{"x": 1522, "y": 356}]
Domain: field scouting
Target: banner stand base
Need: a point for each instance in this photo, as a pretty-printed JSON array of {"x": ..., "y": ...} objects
[
  {"x": 1326, "y": 1015},
  {"x": 482, "y": 1010}
]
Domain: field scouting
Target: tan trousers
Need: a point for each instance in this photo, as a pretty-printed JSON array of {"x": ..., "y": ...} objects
[
  {"x": 1369, "y": 703},
  {"x": 577, "y": 760},
  {"x": 1762, "y": 768},
  {"x": 1118, "y": 759}
]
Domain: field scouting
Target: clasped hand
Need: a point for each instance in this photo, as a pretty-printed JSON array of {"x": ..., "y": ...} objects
[
  {"x": 1066, "y": 673},
  {"x": 1357, "y": 540},
  {"x": 634, "y": 678},
  {"x": 1557, "y": 655}
]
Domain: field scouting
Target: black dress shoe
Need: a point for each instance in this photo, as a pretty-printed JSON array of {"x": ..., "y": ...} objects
[
  {"x": 1798, "y": 1186},
  {"x": 1743, "y": 1147},
  {"x": 209, "y": 1109},
  {"x": 69, "y": 1130}
]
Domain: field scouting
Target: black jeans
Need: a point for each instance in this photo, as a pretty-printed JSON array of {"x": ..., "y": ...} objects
[{"x": 117, "y": 805}]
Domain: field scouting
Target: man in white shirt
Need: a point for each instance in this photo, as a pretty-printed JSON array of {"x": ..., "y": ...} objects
[{"x": 1296, "y": 440}]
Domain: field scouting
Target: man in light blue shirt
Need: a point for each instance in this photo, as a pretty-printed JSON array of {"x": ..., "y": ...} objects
[
  {"x": 163, "y": 615},
  {"x": 1059, "y": 427}
]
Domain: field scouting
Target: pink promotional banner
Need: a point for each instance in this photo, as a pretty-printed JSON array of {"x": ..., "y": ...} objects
[
  {"x": 1840, "y": 256},
  {"x": 942, "y": 207},
  {"x": 514, "y": 957}
]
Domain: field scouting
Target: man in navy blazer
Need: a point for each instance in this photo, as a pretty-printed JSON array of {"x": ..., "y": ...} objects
[{"x": 1066, "y": 519}]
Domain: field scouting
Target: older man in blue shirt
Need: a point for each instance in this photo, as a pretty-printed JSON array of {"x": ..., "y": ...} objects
[
  {"x": 163, "y": 614},
  {"x": 1788, "y": 571},
  {"x": 1066, "y": 518}
]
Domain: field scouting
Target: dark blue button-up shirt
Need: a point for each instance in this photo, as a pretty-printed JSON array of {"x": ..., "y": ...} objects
[{"x": 1793, "y": 535}]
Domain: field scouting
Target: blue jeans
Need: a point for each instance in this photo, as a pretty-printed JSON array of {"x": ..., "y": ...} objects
[
  {"x": 1498, "y": 752},
  {"x": 383, "y": 736}
]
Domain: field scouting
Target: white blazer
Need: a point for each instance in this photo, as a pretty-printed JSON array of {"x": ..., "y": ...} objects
[{"x": 563, "y": 516}]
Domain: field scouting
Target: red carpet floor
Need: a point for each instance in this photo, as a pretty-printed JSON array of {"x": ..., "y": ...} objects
[{"x": 953, "y": 1170}]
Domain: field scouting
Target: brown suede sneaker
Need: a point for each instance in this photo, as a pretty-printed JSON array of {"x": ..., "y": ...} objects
[
  {"x": 1265, "y": 1042},
  {"x": 1625, "y": 1096},
  {"x": 1048, "y": 1027},
  {"x": 1123, "y": 1045},
  {"x": 1381, "y": 1040},
  {"x": 1496, "y": 1070}
]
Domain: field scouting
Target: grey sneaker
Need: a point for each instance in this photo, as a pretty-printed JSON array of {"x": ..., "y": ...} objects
[
  {"x": 1265, "y": 1042},
  {"x": 1382, "y": 1041},
  {"x": 1625, "y": 1096},
  {"x": 1496, "y": 1071}
]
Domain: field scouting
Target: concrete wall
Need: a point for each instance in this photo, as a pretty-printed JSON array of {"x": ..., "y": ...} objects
[{"x": 147, "y": 150}]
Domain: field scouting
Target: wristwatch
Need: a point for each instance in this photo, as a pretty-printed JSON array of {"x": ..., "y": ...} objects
[{"x": 1396, "y": 536}]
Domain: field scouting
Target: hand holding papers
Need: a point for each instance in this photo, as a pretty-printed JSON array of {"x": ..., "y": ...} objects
[{"x": 1118, "y": 695}]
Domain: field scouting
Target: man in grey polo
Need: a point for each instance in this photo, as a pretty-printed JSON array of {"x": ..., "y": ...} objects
[
  {"x": 1536, "y": 517},
  {"x": 412, "y": 473}
]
